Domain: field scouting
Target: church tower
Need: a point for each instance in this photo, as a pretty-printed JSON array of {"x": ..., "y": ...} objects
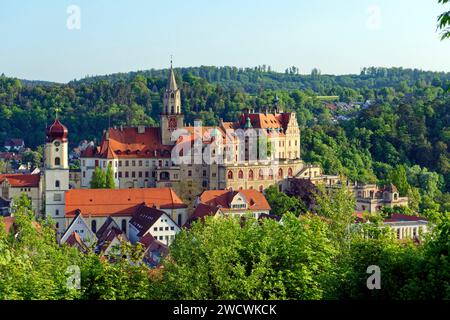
[
  {"x": 56, "y": 162},
  {"x": 171, "y": 116}
]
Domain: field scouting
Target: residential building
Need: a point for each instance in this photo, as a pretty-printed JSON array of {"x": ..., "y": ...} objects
[
  {"x": 154, "y": 250},
  {"x": 407, "y": 227},
  {"x": 404, "y": 226},
  {"x": 157, "y": 223},
  {"x": 14, "y": 185},
  {"x": 98, "y": 205},
  {"x": 79, "y": 229},
  {"x": 109, "y": 237},
  {"x": 231, "y": 203},
  {"x": 14, "y": 145}
]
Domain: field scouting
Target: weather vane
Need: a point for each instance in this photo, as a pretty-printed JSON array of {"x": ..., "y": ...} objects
[{"x": 56, "y": 112}]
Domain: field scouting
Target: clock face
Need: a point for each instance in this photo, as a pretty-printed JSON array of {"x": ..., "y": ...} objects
[{"x": 172, "y": 123}]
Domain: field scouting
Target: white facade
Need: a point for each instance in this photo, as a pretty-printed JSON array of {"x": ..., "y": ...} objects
[
  {"x": 164, "y": 230},
  {"x": 80, "y": 226}
]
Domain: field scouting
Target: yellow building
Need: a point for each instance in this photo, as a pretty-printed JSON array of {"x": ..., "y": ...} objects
[{"x": 14, "y": 185}]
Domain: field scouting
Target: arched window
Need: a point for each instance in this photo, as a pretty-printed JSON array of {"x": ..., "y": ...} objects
[
  {"x": 261, "y": 174},
  {"x": 290, "y": 172},
  {"x": 57, "y": 161},
  {"x": 241, "y": 174},
  {"x": 94, "y": 226},
  {"x": 124, "y": 226},
  {"x": 57, "y": 184},
  {"x": 261, "y": 188},
  {"x": 270, "y": 174},
  {"x": 280, "y": 173},
  {"x": 172, "y": 95},
  {"x": 250, "y": 174},
  {"x": 230, "y": 174}
]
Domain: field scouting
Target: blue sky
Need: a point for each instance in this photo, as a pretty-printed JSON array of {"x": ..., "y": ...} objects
[{"x": 336, "y": 36}]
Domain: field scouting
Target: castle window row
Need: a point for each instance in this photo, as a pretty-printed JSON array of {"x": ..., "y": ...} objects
[{"x": 261, "y": 175}]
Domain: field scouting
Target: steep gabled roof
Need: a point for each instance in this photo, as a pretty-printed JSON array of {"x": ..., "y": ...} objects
[
  {"x": 14, "y": 142},
  {"x": 145, "y": 217},
  {"x": 203, "y": 210},
  {"x": 74, "y": 240},
  {"x": 222, "y": 198}
]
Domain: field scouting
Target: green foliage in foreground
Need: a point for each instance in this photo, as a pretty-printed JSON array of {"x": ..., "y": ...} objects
[
  {"x": 310, "y": 257},
  {"x": 248, "y": 260}
]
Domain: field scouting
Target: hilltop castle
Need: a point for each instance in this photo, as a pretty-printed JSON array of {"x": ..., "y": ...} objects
[{"x": 144, "y": 156}]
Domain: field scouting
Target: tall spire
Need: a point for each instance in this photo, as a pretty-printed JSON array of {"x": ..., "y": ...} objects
[{"x": 172, "y": 85}]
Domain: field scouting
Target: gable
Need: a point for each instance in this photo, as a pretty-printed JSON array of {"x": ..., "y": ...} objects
[
  {"x": 239, "y": 201},
  {"x": 79, "y": 226}
]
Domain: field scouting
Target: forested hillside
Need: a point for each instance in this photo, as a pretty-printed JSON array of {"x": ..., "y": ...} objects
[{"x": 401, "y": 121}]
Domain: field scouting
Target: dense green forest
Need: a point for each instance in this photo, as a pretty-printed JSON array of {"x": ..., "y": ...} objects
[{"x": 402, "y": 116}]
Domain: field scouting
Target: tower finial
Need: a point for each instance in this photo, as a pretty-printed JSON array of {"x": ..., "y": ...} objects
[
  {"x": 171, "y": 61},
  {"x": 56, "y": 112}
]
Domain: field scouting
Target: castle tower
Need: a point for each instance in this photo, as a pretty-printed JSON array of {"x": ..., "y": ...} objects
[
  {"x": 171, "y": 117},
  {"x": 56, "y": 163}
]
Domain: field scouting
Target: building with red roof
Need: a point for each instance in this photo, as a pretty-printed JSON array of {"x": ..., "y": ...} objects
[
  {"x": 14, "y": 144},
  {"x": 404, "y": 226},
  {"x": 14, "y": 185},
  {"x": 96, "y": 206},
  {"x": 230, "y": 203},
  {"x": 199, "y": 158}
]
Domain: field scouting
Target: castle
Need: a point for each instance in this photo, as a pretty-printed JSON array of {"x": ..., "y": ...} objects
[
  {"x": 258, "y": 150},
  {"x": 179, "y": 162}
]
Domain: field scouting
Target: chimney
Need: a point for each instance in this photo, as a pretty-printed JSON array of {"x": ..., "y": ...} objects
[{"x": 141, "y": 129}]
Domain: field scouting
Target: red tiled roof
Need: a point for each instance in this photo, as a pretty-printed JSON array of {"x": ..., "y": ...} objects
[
  {"x": 129, "y": 143},
  {"x": 266, "y": 121},
  {"x": 107, "y": 202},
  {"x": 14, "y": 142},
  {"x": 74, "y": 240},
  {"x": 10, "y": 156},
  {"x": 18, "y": 180},
  {"x": 203, "y": 210},
  {"x": 144, "y": 218},
  {"x": 223, "y": 198},
  {"x": 8, "y": 222},
  {"x": 402, "y": 217},
  {"x": 151, "y": 244}
]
